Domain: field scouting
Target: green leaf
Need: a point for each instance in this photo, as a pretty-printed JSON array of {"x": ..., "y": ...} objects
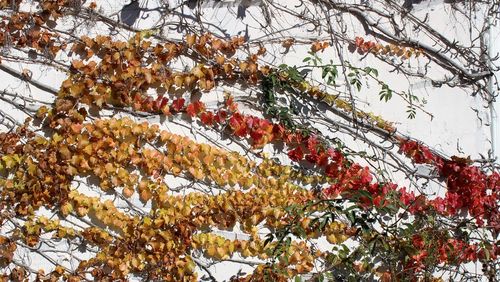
[
  {"x": 324, "y": 72},
  {"x": 412, "y": 112},
  {"x": 352, "y": 217},
  {"x": 334, "y": 72},
  {"x": 385, "y": 93},
  {"x": 357, "y": 83},
  {"x": 283, "y": 66},
  {"x": 330, "y": 81},
  {"x": 369, "y": 71}
]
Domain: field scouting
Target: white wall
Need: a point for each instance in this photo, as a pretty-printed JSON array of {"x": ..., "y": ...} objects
[{"x": 459, "y": 125}]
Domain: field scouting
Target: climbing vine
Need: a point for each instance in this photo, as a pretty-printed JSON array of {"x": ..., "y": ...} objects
[{"x": 98, "y": 167}]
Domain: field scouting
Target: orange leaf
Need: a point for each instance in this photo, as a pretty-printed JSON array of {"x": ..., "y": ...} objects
[
  {"x": 198, "y": 72},
  {"x": 145, "y": 195},
  {"x": 288, "y": 42},
  {"x": 262, "y": 51},
  {"x": 243, "y": 66},
  {"x": 77, "y": 64},
  {"x": 220, "y": 59},
  {"x": 128, "y": 192},
  {"x": 178, "y": 80},
  {"x": 217, "y": 44}
]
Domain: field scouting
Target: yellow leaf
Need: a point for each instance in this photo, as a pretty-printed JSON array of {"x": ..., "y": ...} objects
[
  {"x": 211, "y": 251},
  {"x": 336, "y": 238},
  {"x": 222, "y": 253},
  {"x": 198, "y": 72},
  {"x": 66, "y": 208},
  {"x": 109, "y": 168},
  {"x": 178, "y": 80},
  {"x": 57, "y": 138},
  {"x": 82, "y": 211}
]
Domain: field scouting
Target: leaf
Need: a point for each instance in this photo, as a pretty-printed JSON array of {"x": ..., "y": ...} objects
[
  {"x": 356, "y": 82},
  {"x": 178, "y": 104},
  {"x": 191, "y": 111},
  {"x": 207, "y": 118},
  {"x": 66, "y": 208},
  {"x": 385, "y": 93},
  {"x": 412, "y": 113},
  {"x": 220, "y": 59},
  {"x": 243, "y": 66},
  {"x": 287, "y": 43},
  {"x": 369, "y": 70},
  {"x": 190, "y": 39},
  {"x": 198, "y": 72},
  {"x": 358, "y": 41},
  {"x": 148, "y": 76},
  {"x": 77, "y": 64},
  {"x": 128, "y": 192},
  {"x": 145, "y": 195},
  {"x": 11, "y": 160},
  {"x": 325, "y": 72},
  {"x": 334, "y": 72},
  {"x": 218, "y": 44},
  {"x": 82, "y": 211},
  {"x": 319, "y": 46},
  {"x": 57, "y": 138},
  {"x": 179, "y": 80}
]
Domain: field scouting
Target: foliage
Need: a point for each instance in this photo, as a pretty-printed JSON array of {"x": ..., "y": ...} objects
[{"x": 374, "y": 228}]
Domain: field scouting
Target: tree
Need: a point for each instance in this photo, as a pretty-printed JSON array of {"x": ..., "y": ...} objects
[{"x": 169, "y": 144}]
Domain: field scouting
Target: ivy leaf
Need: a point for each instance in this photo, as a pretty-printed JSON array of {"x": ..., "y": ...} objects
[{"x": 178, "y": 104}]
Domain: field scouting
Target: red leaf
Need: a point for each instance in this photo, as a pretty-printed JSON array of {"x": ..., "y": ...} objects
[
  {"x": 238, "y": 125},
  {"x": 195, "y": 108},
  {"x": 358, "y": 41},
  {"x": 278, "y": 130},
  {"x": 296, "y": 154},
  {"x": 322, "y": 159},
  {"x": 190, "y": 110},
  {"x": 178, "y": 104},
  {"x": 233, "y": 107},
  {"x": 439, "y": 205},
  {"x": 207, "y": 118},
  {"x": 312, "y": 144},
  {"x": 163, "y": 103},
  {"x": 221, "y": 116},
  {"x": 332, "y": 170},
  {"x": 406, "y": 198},
  {"x": 366, "y": 177}
]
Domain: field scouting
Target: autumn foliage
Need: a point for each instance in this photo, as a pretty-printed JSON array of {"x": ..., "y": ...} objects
[{"x": 322, "y": 193}]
